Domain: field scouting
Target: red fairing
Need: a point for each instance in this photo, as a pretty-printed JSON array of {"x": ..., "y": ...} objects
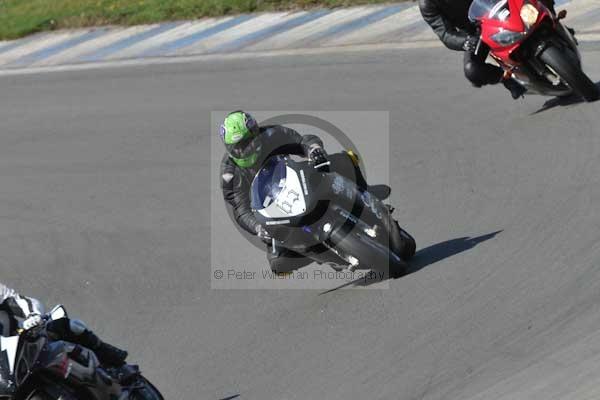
[{"x": 514, "y": 23}]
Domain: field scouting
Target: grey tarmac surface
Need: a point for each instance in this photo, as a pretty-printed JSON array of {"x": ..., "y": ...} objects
[{"x": 105, "y": 180}]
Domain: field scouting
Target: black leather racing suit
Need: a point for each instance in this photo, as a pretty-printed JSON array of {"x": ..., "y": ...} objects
[{"x": 449, "y": 19}]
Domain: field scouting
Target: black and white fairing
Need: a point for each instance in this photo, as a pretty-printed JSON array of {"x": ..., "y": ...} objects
[
  {"x": 290, "y": 193},
  {"x": 290, "y": 200},
  {"x": 312, "y": 212},
  {"x": 300, "y": 206},
  {"x": 9, "y": 347}
]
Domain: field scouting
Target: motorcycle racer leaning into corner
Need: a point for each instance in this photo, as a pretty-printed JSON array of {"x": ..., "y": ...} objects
[
  {"x": 450, "y": 22},
  {"x": 248, "y": 146},
  {"x": 17, "y": 311}
]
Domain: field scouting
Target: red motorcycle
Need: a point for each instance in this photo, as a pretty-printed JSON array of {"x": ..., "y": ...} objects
[{"x": 531, "y": 44}]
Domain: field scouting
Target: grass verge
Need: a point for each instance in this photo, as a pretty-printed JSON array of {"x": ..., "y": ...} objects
[{"x": 19, "y": 18}]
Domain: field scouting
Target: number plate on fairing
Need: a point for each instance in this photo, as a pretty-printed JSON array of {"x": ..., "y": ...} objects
[{"x": 290, "y": 201}]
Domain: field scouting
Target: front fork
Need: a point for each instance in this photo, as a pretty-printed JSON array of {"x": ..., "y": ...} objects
[
  {"x": 345, "y": 224},
  {"x": 563, "y": 39}
]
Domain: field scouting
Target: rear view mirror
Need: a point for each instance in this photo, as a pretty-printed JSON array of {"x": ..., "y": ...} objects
[{"x": 58, "y": 312}]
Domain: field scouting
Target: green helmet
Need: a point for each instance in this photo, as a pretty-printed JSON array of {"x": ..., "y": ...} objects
[{"x": 239, "y": 133}]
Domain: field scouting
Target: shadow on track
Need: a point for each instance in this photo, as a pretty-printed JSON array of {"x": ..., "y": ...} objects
[
  {"x": 437, "y": 252},
  {"x": 561, "y": 102},
  {"x": 237, "y": 396},
  {"x": 428, "y": 256}
]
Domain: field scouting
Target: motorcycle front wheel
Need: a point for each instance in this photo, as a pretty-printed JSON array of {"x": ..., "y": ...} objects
[
  {"x": 369, "y": 252},
  {"x": 570, "y": 72}
]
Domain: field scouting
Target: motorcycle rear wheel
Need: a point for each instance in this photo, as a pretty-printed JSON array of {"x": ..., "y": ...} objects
[{"x": 571, "y": 73}]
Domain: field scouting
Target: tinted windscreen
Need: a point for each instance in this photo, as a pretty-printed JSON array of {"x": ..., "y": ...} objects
[
  {"x": 268, "y": 183},
  {"x": 486, "y": 9}
]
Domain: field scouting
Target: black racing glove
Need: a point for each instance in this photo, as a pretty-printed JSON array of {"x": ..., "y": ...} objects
[
  {"x": 318, "y": 156},
  {"x": 471, "y": 43}
]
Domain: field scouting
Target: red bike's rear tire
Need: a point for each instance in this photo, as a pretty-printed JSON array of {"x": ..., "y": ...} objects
[{"x": 571, "y": 73}]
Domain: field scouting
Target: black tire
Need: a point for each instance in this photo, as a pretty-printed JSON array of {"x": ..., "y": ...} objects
[
  {"x": 409, "y": 246},
  {"x": 401, "y": 242},
  {"x": 571, "y": 73}
]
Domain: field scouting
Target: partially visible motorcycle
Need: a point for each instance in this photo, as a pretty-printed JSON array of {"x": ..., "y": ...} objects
[
  {"x": 304, "y": 209},
  {"x": 35, "y": 367},
  {"x": 532, "y": 45}
]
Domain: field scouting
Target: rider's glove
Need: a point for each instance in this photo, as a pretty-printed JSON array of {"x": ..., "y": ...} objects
[
  {"x": 318, "y": 156},
  {"x": 471, "y": 43},
  {"x": 262, "y": 233},
  {"x": 32, "y": 321}
]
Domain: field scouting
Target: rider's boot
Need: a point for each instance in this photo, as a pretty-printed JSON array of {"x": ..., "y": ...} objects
[
  {"x": 382, "y": 192},
  {"x": 515, "y": 88},
  {"x": 108, "y": 355}
]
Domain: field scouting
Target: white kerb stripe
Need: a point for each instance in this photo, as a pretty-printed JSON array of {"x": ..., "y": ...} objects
[
  {"x": 178, "y": 32},
  {"x": 94, "y": 44},
  {"x": 245, "y": 28},
  {"x": 300, "y": 33},
  {"x": 387, "y": 25},
  {"x": 47, "y": 40}
]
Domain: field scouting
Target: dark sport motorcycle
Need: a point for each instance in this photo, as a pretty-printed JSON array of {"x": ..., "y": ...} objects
[
  {"x": 34, "y": 367},
  {"x": 533, "y": 46},
  {"x": 311, "y": 211}
]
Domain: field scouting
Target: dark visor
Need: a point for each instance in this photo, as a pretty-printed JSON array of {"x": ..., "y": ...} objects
[{"x": 244, "y": 148}]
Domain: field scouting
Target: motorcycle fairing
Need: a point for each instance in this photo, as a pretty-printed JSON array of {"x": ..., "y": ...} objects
[
  {"x": 80, "y": 368},
  {"x": 487, "y": 12},
  {"x": 8, "y": 357},
  {"x": 29, "y": 354}
]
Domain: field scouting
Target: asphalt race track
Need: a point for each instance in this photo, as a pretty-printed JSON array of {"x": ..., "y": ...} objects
[{"x": 105, "y": 206}]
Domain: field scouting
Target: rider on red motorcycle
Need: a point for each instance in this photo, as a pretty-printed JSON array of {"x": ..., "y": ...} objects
[{"x": 449, "y": 20}]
